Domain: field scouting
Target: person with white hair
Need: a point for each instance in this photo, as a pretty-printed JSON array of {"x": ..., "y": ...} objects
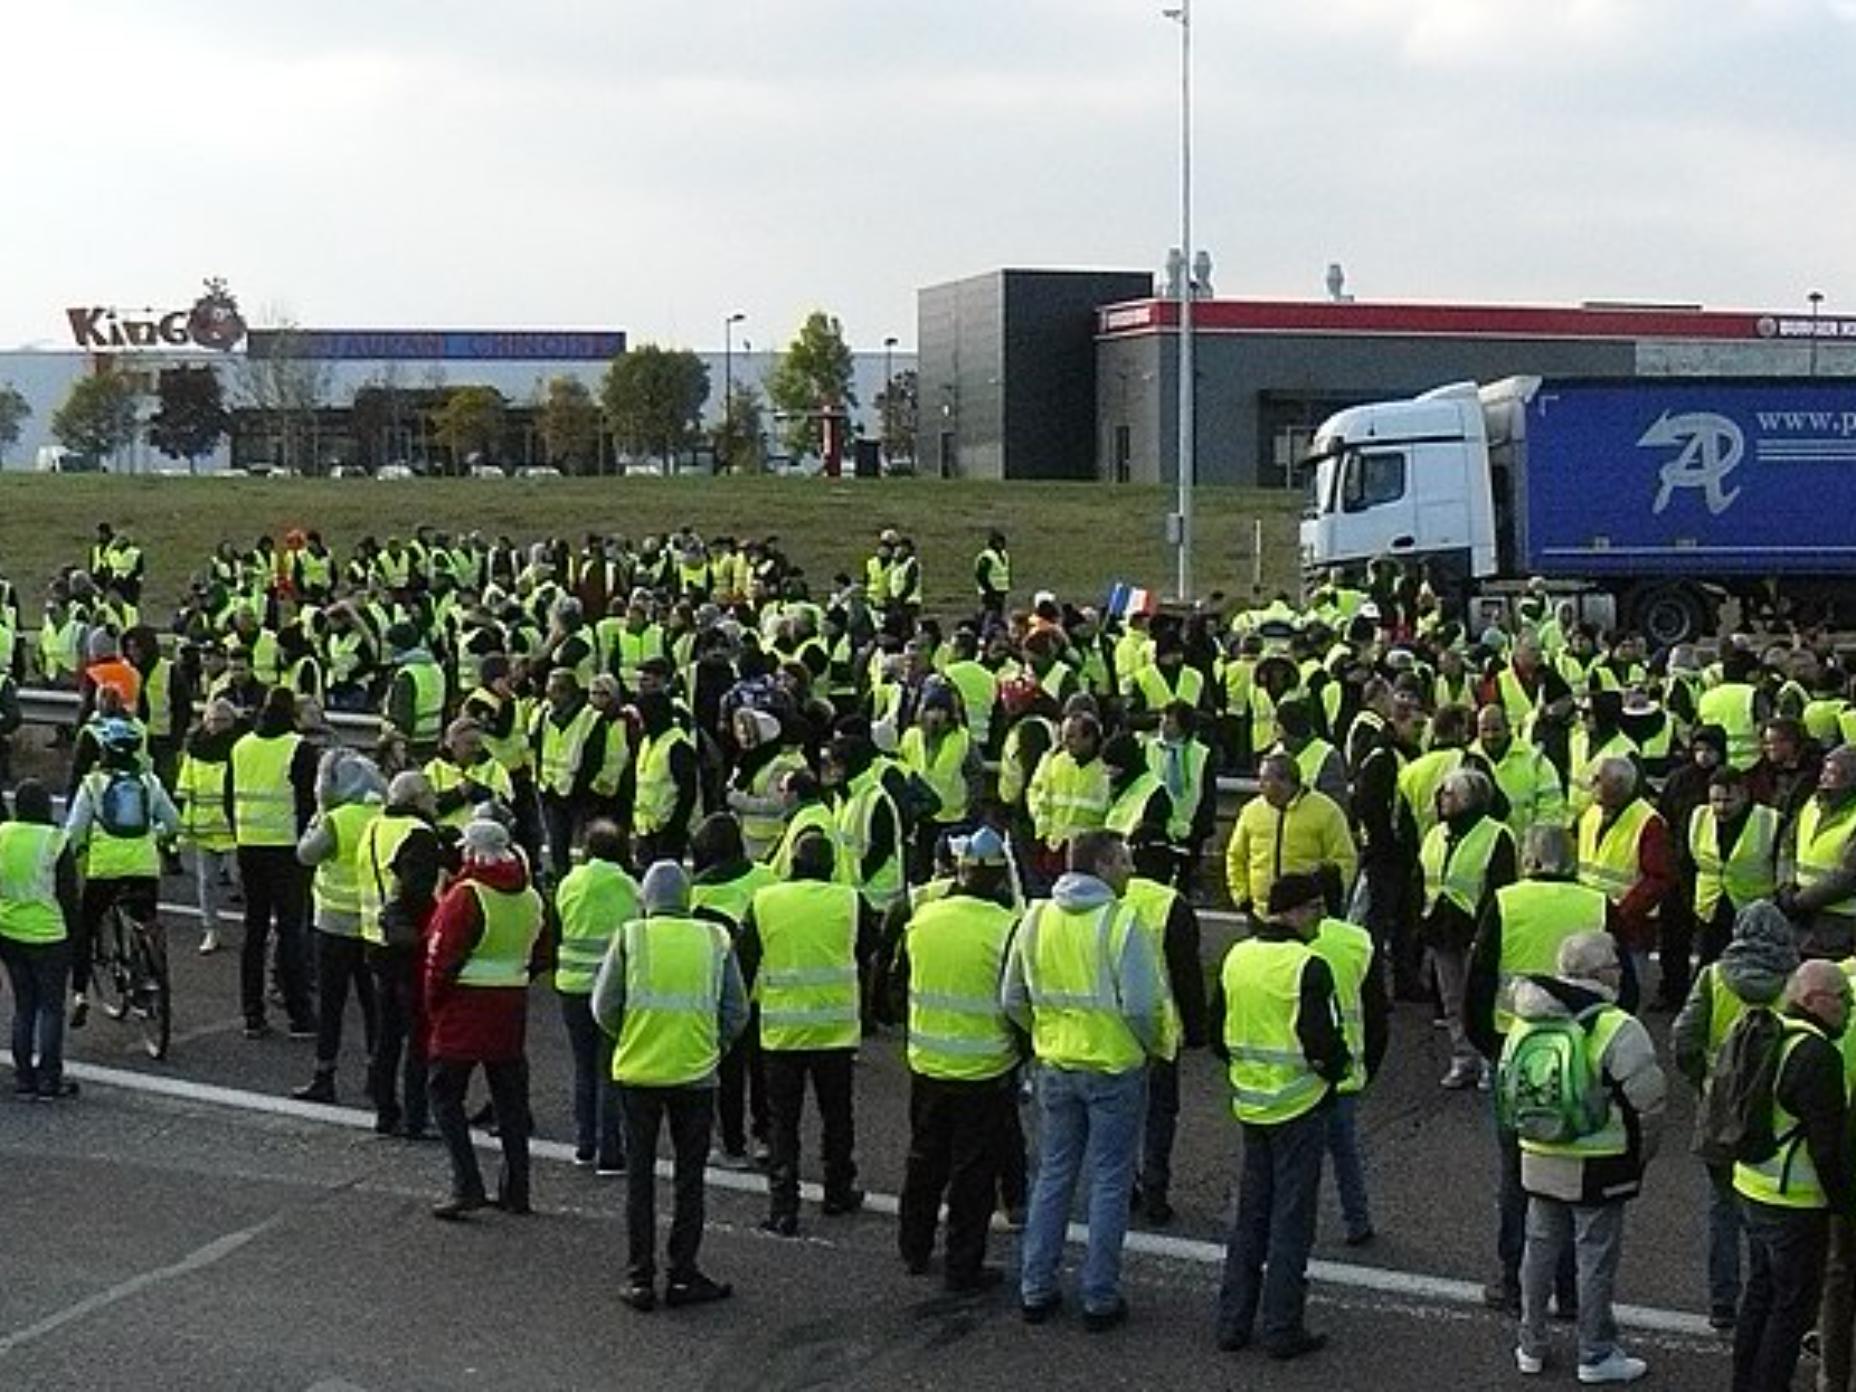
[
  {"x": 1466, "y": 859},
  {"x": 1577, "y": 1185},
  {"x": 485, "y": 944},
  {"x": 1625, "y": 851}
]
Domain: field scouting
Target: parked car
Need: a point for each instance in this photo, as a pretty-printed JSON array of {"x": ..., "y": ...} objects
[{"x": 539, "y": 471}]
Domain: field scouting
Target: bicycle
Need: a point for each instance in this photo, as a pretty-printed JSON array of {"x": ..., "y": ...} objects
[{"x": 132, "y": 975}]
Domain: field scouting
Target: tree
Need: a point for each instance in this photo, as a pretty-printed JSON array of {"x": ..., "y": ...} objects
[
  {"x": 900, "y": 406},
  {"x": 14, "y": 410},
  {"x": 191, "y": 417},
  {"x": 470, "y": 422},
  {"x": 285, "y": 387},
  {"x": 813, "y": 374},
  {"x": 653, "y": 399},
  {"x": 569, "y": 421},
  {"x": 98, "y": 416},
  {"x": 736, "y": 438}
]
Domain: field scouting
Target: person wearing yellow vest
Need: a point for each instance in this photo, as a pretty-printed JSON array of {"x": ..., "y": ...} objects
[
  {"x": 1140, "y": 809},
  {"x": 1319, "y": 761},
  {"x": 1817, "y": 867},
  {"x": 938, "y": 750},
  {"x": 597, "y": 898},
  {"x": 978, "y": 686},
  {"x": 667, "y": 782},
  {"x": 1164, "y": 680},
  {"x": 416, "y": 696},
  {"x": 1528, "y": 781},
  {"x": 1576, "y": 1189},
  {"x": 1738, "y": 706},
  {"x": 769, "y": 751},
  {"x": 670, "y": 996},
  {"x": 1465, "y": 860},
  {"x": 963, "y": 1057},
  {"x": 164, "y": 702},
  {"x": 270, "y": 794},
  {"x": 807, "y": 814},
  {"x": 1625, "y": 851},
  {"x": 1733, "y": 846},
  {"x": 1286, "y": 830},
  {"x": 117, "y": 815},
  {"x": 877, "y": 566},
  {"x": 487, "y": 941},
  {"x": 502, "y": 715},
  {"x": 349, "y": 792},
  {"x": 1282, "y": 1039},
  {"x": 205, "y": 829},
  {"x": 723, "y": 891},
  {"x": 400, "y": 865},
  {"x": 869, "y": 825},
  {"x": 1183, "y": 763},
  {"x": 1085, "y": 980},
  {"x": 38, "y": 916},
  {"x": 1069, "y": 791},
  {"x": 1749, "y": 974},
  {"x": 1360, "y": 999},
  {"x": 570, "y": 747},
  {"x": 803, "y": 949},
  {"x": 992, "y": 574},
  {"x": 463, "y": 775}
]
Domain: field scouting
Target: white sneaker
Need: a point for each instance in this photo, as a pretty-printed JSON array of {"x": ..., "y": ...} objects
[
  {"x": 1617, "y": 1367},
  {"x": 1529, "y": 1363},
  {"x": 209, "y": 944}
]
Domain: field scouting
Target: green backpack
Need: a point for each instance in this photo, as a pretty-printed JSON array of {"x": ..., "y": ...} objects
[{"x": 1546, "y": 1089}]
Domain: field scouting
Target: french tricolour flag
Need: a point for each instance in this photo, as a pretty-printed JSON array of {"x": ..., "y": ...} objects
[{"x": 1124, "y": 600}]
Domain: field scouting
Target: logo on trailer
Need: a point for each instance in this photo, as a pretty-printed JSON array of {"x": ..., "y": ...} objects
[{"x": 1709, "y": 447}]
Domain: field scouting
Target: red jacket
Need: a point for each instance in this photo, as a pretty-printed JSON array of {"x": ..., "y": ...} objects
[
  {"x": 476, "y": 1024},
  {"x": 1658, "y": 880}
]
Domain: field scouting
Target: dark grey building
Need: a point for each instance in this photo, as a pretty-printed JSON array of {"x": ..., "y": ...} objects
[{"x": 1007, "y": 364}]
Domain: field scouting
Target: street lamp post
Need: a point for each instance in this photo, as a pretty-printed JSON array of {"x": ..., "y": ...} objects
[
  {"x": 1182, "y": 16},
  {"x": 889, "y": 389},
  {"x": 1816, "y": 297},
  {"x": 728, "y": 377}
]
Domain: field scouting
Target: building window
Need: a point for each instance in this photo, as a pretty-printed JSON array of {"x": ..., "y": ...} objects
[
  {"x": 1372, "y": 480},
  {"x": 1124, "y": 454}
]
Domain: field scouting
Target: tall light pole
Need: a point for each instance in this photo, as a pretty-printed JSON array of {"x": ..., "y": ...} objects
[
  {"x": 728, "y": 377},
  {"x": 1816, "y": 297},
  {"x": 889, "y": 385},
  {"x": 1182, "y": 522}
]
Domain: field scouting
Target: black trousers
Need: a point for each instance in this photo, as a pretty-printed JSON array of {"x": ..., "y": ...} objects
[
  {"x": 139, "y": 892},
  {"x": 1014, "y": 1171},
  {"x": 274, "y": 894},
  {"x": 1786, "y": 1248},
  {"x": 689, "y": 1110},
  {"x": 958, "y": 1133},
  {"x": 527, "y": 809},
  {"x": 508, "y": 1079},
  {"x": 397, "y": 1051},
  {"x": 562, "y": 819},
  {"x": 741, "y": 1094},
  {"x": 830, "y": 1072},
  {"x": 1675, "y": 932},
  {"x": 341, "y": 964}
]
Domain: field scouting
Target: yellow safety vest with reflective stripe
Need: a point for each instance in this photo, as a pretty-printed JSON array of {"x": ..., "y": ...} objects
[
  {"x": 1750, "y": 870},
  {"x": 1531, "y": 784},
  {"x": 1724, "y": 1007},
  {"x": 733, "y": 898},
  {"x": 1515, "y": 700},
  {"x": 1582, "y": 765},
  {"x": 657, "y": 789},
  {"x": 1157, "y": 694},
  {"x": 1311, "y": 758},
  {"x": 1348, "y": 950},
  {"x": 1459, "y": 870},
  {"x": 444, "y": 776},
  {"x": 512, "y": 921},
  {"x": 1013, "y": 780},
  {"x": 513, "y": 751},
  {"x": 1271, "y": 1078},
  {"x": 263, "y": 797},
  {"x": 943, "y": 768},
  {"x": 1067, "y": 797},
  {"x": 1612, "y": 1138},
  {"x": 337, "y": 884},
  {"x": 592, "y": 902},
  {"x": 1788, "y": 1177},
  {"x": 1069, "y": 959},
  {"x": 1537, "y": 916},
  {"x": 979, "y": 693},
  {"x": 1821, "y": 842},
  {"x": 1608, "y": 858},
  {"x": 156, "y": 696},
  {"x": 1181, "y": 769},
  {"x": 380, "y": 842},
  {"x": 200, "y": 788},
  {"x": 1823, "y": 719},
  {"x": 957, "y": 1029},
  {"x": 807, "y": 982},
  {"x": 995, "y": 567},
  {"x": 1152, "y": 903},
  {"x": 428, "y": 702},
  {"x": 856, "y": 816},
  {"x": 1730, "y": 706},
  {"x": 1125, "y": 812},
  {"x": 1419, "y": 781},
  {"x": 812, "y": 818},
  {"x": 29, "y": 907},
  {"x": 761, "y": 832},
  {"x": 108, "y": 857},
  {"x": 671, "y": 1035},
  {"x": 562, "y": 748}
]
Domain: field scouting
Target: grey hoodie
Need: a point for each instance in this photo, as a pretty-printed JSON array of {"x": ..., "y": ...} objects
[
  {"x": 342, "y": 777},
  {"x": 1139, "y": 978},
  {"x": 1754, "y": 966},
  {"x": 1632, "y": 1074}
]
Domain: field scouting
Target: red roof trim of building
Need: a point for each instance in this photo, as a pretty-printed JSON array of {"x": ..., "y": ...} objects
[{"x": 1139, "y": 317}]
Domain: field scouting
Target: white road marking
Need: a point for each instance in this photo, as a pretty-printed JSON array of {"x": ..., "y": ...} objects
[
  {"x": 1346, "y": 1275},
  {"x": 216, "y": 1250}
]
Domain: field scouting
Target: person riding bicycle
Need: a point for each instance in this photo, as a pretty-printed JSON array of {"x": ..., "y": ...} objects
[{"x": 118, "y": 815}]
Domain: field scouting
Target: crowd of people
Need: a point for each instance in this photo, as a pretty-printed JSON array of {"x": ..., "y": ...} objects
[{"x": 740, "y": 819}]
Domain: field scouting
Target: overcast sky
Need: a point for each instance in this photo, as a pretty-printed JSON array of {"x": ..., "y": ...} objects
[{"x": 654, "y": 166}]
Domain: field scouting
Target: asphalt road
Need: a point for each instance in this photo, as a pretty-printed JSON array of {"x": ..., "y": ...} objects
[{"x": 334, "y": 1271}]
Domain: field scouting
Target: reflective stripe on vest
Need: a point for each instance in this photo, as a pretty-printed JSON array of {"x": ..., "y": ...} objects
[
  {"x": 428, "y": 702},
  {"x": 671, "y": 1033},
  {"x": 1608, "y": 861},
  {"x": 264, "y": 799},
  {"x": 1750, "y": 870},
  {"x": 1271, "y": 1080},
  {"x": 1788, "y": 1177},
  {"x": 1821, "y": 843},
  {"x": 593, "y": 901},
  {"x": 200, "y": 787},
  {"x": 157, "y": 700},
  {"x": 562, "y": 748},
  {"x": 807, "y": 981},
  {"x": 1537, "y": 916},
  {"x": 1730, "y": 706},
  {"x": 108, "y": 857},
  {"x": 1069, "y": 960},
  {"x": 1458, "y": 870},
  {"x": 511, "y": 924},
  {"x": 856, "y": 818},
  {"x": 957, "y": 1028},
  {"x": 29, "y": 907},
  {"x": 943, "y": 768},
  {"x": 1152, "y": 903},
  {"x": 1348, "y": 951},
  {"x": 380, "y": 842},
  {"x": 732, "y": 899},
  {"x": 657, "y": 788},
  {"x": 1126, "y": 811},
  {"x": 337, "y": 884}
]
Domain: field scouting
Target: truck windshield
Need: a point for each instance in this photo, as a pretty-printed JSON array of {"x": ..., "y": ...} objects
[{"x": 1316, "y": 471}]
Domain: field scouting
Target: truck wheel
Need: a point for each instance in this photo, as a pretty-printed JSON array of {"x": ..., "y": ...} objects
[{"x": 1669, "y": 614}]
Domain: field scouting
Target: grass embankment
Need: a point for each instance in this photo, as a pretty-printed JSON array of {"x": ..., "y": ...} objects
[{"x": 1074, "y": 538}]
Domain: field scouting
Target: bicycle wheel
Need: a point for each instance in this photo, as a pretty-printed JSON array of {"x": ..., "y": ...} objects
[
  {"x": 154, "y": 1001},
  {"x": 114, "y": 977}
]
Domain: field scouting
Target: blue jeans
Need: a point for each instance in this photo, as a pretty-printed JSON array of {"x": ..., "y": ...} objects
[
  {"x": 1266, "y": 1257},
  {"x": 599, "y": 1116},
  {"x": 1343, "y": 1147},
  {"x": 1082, "y": 1116},
  {"x": 37, "y": 971}
]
